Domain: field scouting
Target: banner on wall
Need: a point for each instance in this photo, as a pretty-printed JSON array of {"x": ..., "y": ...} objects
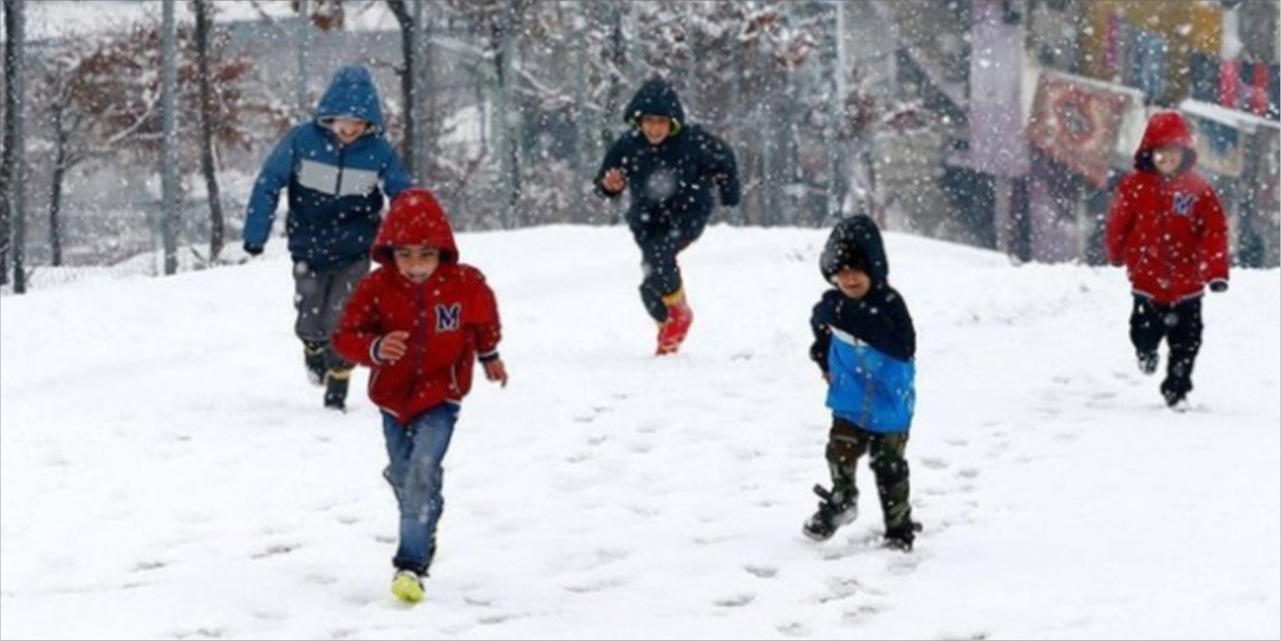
[{"x": 1076, "y": 121}]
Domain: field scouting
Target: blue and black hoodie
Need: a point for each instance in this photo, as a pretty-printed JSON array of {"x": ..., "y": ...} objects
[
  {"x": 866, "y": 346},
  {"x": 673, "y": 184},
  {"x": 335, "y": 190}
]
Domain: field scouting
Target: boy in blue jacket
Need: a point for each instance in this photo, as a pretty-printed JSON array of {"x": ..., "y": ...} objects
[
  {"x": 333, "y": 166},
  {"x": 866, "y": 345}
]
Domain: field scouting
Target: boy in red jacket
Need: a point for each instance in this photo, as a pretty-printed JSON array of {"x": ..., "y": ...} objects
[
  {"x": 419, "y": 321},
  {"x": 1168, "y": 229}
]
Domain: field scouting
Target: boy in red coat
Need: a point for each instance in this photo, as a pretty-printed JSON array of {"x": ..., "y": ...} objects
[
  {"x": 420, "y": 321},
  {"x": 1168, "y": 229}
]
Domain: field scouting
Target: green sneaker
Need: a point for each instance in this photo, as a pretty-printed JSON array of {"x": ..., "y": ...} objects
[{"x": 407, "y": 586}]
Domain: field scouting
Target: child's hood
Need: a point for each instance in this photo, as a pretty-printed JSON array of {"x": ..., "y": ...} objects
[
  {"x": 854, "y": 239},
  {"x": 656, "y": 97},
  {"x": 415, "y": 218},
  {"x": 352, "y": 94},
  {"x": 1165, "y": 128}
]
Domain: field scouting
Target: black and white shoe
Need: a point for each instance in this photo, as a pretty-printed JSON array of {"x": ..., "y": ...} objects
[{"x": 835, "y": 510}]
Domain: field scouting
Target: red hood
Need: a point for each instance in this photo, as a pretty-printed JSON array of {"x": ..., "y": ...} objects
[
  {"x": 415, "y": 218},
  {"x": 1165, "y": 128}
]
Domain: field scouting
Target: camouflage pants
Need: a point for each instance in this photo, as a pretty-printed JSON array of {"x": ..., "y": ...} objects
[{"x": 848, "y": 443}]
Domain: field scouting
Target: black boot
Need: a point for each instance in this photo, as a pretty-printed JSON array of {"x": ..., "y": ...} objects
[
  {"x": 336, "y": 382},
  {"x": 902, "y": 538},
  {"x": 313, "y": 355},
  {"x": 1149, "y": 362},
  {"x": 836, "y": 509},
  {"x": 1175, "y": 390}
]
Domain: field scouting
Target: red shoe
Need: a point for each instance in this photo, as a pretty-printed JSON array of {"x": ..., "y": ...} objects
[{"x": 672, "y": 333}]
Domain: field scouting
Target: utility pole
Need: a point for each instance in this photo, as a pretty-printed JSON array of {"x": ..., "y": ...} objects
[
  {"x": 169, "y": 169},
  {"x": 303, "y": 44}
]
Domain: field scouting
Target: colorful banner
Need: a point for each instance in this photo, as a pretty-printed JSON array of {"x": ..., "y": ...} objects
[{"x": 1076, "y": 120}]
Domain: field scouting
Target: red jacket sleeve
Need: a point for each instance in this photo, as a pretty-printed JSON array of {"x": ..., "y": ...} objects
[
  {"x": 360, "y": 326},
  {"x": 484, "y": 325},
  {"x": 1120, "y": 221},
  {"x": 1212, "y": 237}
]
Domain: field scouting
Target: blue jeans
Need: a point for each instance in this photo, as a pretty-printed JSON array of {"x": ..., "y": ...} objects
[{"x": 415, "y": 452}]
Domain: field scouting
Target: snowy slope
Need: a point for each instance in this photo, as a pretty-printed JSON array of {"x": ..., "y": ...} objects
[{"x": 167, "y": 472}]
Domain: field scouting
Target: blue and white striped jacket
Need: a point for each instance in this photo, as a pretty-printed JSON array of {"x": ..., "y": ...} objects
[{"x": 335, "y": 191}]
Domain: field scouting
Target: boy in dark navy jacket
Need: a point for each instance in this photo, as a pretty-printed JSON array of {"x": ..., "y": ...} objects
[
  {"x": 333, "y": 166},
  {"x": 675, "y": 171},
  {"x": 866, "y": 345}
]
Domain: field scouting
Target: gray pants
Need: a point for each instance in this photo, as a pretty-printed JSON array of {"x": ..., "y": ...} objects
[{"x": 320, "y": 297}]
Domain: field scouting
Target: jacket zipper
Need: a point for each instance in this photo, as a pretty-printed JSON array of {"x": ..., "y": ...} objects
[
  {"x": 1167, "y": 257},
  {"x": 422, "y": 313},
  {"x": 342, "y": 151},
  {"x": 867, "y": 385}
]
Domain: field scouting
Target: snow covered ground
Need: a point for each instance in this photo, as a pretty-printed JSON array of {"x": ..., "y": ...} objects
[{"x": 167, "y": 472}]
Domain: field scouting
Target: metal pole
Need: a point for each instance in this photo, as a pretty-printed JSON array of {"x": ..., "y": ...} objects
[
  {"x": 169, "y": 173},
  {"x": 836, "y": 190},
  {"x": 304, "y": 42},
  {"x": 581, "y": 133},
  {"x": 416, "y": 93}
]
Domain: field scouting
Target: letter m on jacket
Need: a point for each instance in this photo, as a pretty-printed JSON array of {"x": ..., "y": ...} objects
[{"x": 448, "y": 317}]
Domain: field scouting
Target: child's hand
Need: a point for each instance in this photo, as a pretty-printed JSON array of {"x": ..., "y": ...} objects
[
  {"x": 496, "y": 372},
  {"x": 393, "y": 346},
  {"x": 613, "y": 182}
]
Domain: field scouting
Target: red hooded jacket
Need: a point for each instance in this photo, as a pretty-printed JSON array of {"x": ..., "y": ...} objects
[
  {"x": 451, "y": 318},
  {"x": 1169, "y": 232}
]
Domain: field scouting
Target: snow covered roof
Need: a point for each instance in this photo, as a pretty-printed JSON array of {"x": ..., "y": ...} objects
[{"x": 1230, "y": 117}]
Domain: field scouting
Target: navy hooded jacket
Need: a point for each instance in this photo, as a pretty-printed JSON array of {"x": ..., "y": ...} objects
[
  {"x": 335, "y": 199},
  {"x": 672, "y": 183},
  {"x": 866, "y": 346}
]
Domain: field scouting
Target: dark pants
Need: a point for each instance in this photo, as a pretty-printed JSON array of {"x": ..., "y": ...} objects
[
  {"x": 320, "y": 298},
  {"x": 659, "y": 249},
  {"x": 1180, "y": 326},
  {"x": 848, "y": 443}
]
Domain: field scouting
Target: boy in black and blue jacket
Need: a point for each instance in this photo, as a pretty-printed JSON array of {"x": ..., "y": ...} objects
[{"x": 866, "y": 346}]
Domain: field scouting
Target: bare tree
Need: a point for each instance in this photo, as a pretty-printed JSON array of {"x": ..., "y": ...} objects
[
  {"x": 410, "y": 28},
  {"x": 14, "y": 163},
  {"x": 56, "y": 87},
  {"x": 204, "y": 24}
]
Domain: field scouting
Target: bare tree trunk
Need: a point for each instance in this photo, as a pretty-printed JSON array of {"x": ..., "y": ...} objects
[
  {"x": 217, "y": 227},
  {"x": 407, "y": 84},
  {"x": 55, "y": 192},
  {"x": 5, "y": 156},
  {"x": 14, "y": 164}
]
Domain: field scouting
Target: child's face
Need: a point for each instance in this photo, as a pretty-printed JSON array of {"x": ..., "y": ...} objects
[
  {"x": 417, "y": 262},
  {"x": 852, "y": 282},
  {"x": 1168, "y": 159},
  {"x": 348, "y": 129},
  {"x": 656, "y": 128}
]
